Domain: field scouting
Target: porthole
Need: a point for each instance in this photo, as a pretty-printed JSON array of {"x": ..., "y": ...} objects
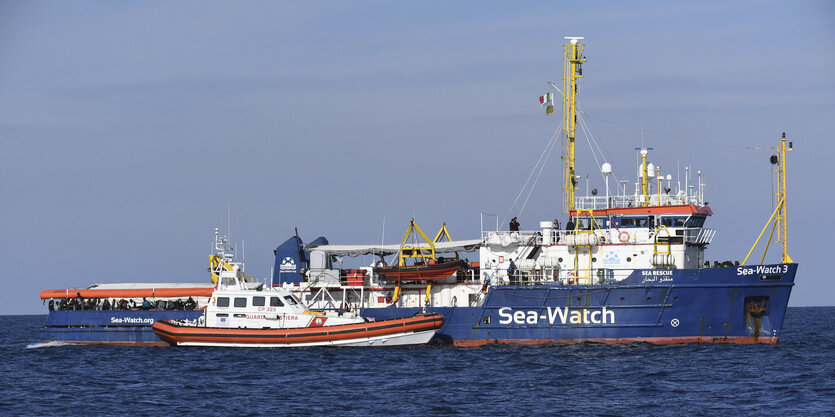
[
  {"x": 628, "y": 259},
  {"x": 594, "y": 259},
  {"x": 675, "y": 298},
  {"x": 560, "y": 260},
  {"x": 621, "y": 298},
  {"x": 649, "y": 298}
]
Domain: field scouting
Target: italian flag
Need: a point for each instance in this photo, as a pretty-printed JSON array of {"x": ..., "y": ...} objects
[{"x": 547, "y": 100}]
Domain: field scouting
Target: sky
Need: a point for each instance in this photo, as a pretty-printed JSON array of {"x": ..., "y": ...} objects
[{"x": 130, "y": 130}]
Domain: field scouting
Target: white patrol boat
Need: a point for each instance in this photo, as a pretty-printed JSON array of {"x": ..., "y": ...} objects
[{"x": 238, "y": 316}]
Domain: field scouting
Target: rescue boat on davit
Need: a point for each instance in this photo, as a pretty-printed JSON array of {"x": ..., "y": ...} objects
[{"x": 428, "y": 271}]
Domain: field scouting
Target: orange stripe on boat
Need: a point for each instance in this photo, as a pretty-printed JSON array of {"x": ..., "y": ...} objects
[
  {"x": 128, "y": 293},
  {"x": 175, "y": 334}
]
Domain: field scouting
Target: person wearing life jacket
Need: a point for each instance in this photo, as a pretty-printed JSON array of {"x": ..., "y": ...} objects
[
  {"x": 190, "y": 304},
  {"x": 51, "y": 305},
  {"x": 146, "y": 305}
]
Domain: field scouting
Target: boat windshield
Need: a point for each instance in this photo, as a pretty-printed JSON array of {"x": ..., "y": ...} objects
[{"x": 291, "y": 299}]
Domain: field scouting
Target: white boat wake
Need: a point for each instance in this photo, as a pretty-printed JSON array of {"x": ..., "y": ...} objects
[{"x": 46, "y": 344}]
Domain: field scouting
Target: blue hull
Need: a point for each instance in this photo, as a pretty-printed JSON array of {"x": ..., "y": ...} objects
[
  {"x": 718, "y": 305},
  {"x": 131, "y": 327},
  {"x": 712, "y": 305}
]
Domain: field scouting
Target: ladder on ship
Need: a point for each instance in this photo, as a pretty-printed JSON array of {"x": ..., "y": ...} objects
[
  {"x": 587, "y": 240},
  {"x": 662, "y": 251}
]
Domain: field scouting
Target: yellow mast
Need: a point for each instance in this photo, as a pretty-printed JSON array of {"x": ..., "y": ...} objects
[
  {"x": 779, "y": 215},
  {"x": 644, "y": 179},
  {"x": 572, "y": 70},
  {"x": 782, "y": 217}
]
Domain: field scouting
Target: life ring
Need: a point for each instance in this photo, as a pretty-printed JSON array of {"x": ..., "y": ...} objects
[
  {"x": 623, "y": 237},
  {"x": 570, "y": 277}
]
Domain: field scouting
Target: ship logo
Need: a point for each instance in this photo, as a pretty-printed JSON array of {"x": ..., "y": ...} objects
[
  {"x": 611, "y": 258},
  {"x": 287, "y": 265}
]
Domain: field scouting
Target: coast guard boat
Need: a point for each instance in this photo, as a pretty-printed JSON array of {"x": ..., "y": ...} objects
[
  {"x": 627, "y": 267},
  {"x": 238, "y": 316}
]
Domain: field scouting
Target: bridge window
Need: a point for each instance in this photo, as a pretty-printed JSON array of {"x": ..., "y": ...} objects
[
  {"x": 677, "y": 221},
  {"x": 291, "y": 300},
  {"x": 223, "y": 301},
  {"x": 584, "y": 223},
  {"x": 634, "y": 222},
  {"x": 240, "y": 302},
  {"x": 258, "y": 301},
  {"x": 276, "y": 302},
  {"x": 695, "y": 221}
]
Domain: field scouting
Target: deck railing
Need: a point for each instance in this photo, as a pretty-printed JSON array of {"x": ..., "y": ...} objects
[{"x": 621, "y": 201}]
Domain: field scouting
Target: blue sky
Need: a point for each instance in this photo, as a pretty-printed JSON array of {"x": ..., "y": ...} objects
[{"x": 128, "y": 128}]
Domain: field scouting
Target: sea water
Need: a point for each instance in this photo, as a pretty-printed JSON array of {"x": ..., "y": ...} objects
[{"x": 795, "y": 377}]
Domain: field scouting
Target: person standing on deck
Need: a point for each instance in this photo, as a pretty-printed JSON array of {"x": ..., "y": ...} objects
[
  {"x": 514, "y": 225},
  {"x": 511, "y": 272},
  {"x": 555, "y": 231}
]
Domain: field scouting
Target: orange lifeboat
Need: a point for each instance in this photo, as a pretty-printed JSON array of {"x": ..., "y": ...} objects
[{"x": 423, "y": 272}]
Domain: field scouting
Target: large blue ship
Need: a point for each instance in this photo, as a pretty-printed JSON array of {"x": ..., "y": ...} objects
[{"x": 627, "y": 266}]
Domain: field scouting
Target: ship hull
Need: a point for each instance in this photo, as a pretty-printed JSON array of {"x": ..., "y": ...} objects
[
  {"x": 417, "y": 329},
  {"x": 715, "y": 305},
  {"x": 711, "y": 305},
  {"x": 111, "y": 327}
]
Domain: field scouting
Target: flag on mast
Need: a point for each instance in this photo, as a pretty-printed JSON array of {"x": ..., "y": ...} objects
[{"x": 547, "y": 100}]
